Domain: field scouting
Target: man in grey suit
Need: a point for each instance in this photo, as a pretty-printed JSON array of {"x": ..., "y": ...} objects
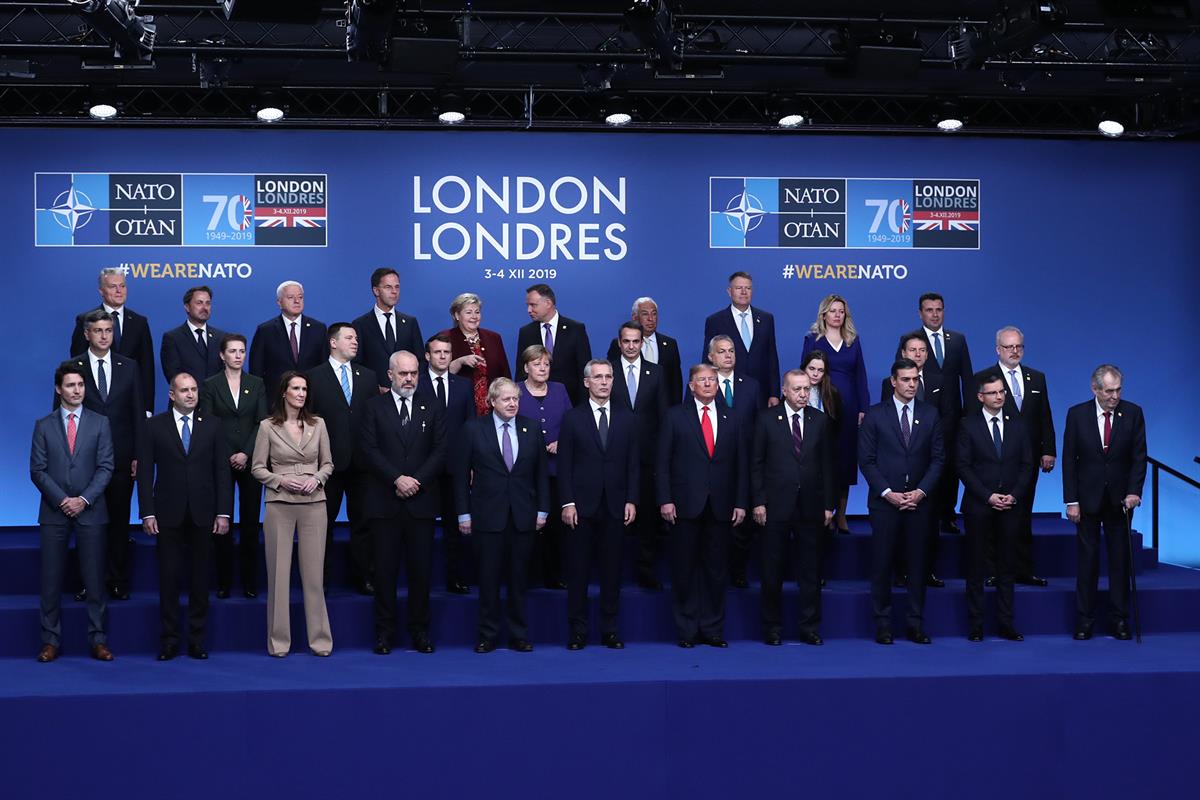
[{"x": 71, "y": 463}]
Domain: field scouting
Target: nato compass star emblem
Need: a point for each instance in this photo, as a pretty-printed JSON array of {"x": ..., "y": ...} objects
[
  {"x": 744, "y": 212},
  {"x": 72, "y": 209}
]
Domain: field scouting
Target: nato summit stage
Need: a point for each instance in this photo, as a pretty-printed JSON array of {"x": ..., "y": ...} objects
[{"x": 646, "y": 399}]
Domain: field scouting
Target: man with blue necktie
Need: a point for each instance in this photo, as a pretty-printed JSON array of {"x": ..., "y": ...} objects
[{"x": 752, "y": 331}]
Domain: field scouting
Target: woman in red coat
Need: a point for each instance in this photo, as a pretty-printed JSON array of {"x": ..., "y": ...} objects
[{"x": 477, "y": 354}]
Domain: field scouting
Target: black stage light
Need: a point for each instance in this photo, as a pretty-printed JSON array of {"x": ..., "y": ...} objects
[
  {"x": 653, "y": 23},
  {"x": 131, "y": 36},
  {"x": 369, "y": 29}
]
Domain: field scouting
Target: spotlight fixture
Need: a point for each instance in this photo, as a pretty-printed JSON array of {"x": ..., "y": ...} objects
[
  {"x": 787, "y": 113},
  {"x": 1111, "y": 128},
  {"x": 102, "y": 111},
  {"x": 617, "y": 110},
  {"x": 268, "y": 108},
  {"x": 451, "y": 110},
  {"x": 949, "y": 118},
  {"x": 131, "y": 36}
]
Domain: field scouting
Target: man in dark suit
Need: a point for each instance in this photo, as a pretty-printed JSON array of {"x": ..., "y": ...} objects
[
  {"x": 194, "y": 347},
  {"x": 338, "y": 391},
  {"x": 185, "y": 495},
  {"x": 638, "y": 386},
  {"x": 995, "y": 462},
  {"x": 383, "y": 330},
  {"x": 753, "y": 333},
  {"x": 791, "y": 488},
  {"x": 131, "y": 331},
  {"x": 1104, "y": 470},
  {"x": 742, "y": 395},
  {"x": 951, "y": 359},
  {"x": 702, "y": 487},
  {"x": 598, "y": 463},
  {"x": 70, "y": 463},
  {"x": 565, "y": 339},
  {"x": 402, "y": 448},
  {"x": 502, "y": 493},
  {"x": 454, "y": 394},
  {"x": 900, "y": 453},
  {"x": 114, "y": 390},
  {"x": 290, "y": 341},
  {"x": 657, "y": 348},
  {"x": 1028, "y": 398}
]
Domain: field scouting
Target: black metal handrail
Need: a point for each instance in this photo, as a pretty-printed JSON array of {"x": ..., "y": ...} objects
[{"x": 1155, "y": 467}]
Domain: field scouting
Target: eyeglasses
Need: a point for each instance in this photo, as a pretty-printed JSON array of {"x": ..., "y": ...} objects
[{"x": 1012, "y": 348}]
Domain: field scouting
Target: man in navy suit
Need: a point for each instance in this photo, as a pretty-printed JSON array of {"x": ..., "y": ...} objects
[
  {"x": 185, "y": 496},
  {"x": 702, "y": 487},
  {"x": 455, "y": 396},
  {"x": 338, "y": 391},
  {"x": 402, "y": 447},
  {"x": 638, "y": 386},
  {"x": 502, "y": 493},
  {"x": 383, "y": 330},
  {"x": 742, "y": 395},
  {"x": 194, "y": 347},
  {"x": 950, "y": 357},
  {"x": 290, "y": 341},
  {"x": 995, "y": 462},
  {"x": 598, "y": 462},
  {"x": 1104, "y": 470},
  {"x": 657, "y": 348},
  {"x": 131, "y": 331},
  {"x": 70, "y": 463},
  {"x": 565, "y": 339},
  {"x": 901, "y": 455},
  {"x": 753, "y": 333},
  {"x": 792, "y": 491},
  {"x": 114, "y": 390}
]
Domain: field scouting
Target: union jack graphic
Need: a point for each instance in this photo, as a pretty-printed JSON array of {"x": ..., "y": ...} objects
[
  {"x": 291, "y": 217},
  {"x": 947, "y": 220},
  {"x": 905, "y": 217},
  {"x": 247, "y": 207}
]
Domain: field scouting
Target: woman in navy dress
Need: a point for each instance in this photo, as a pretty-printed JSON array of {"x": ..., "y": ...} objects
[
  {"x": 835, "y": 334},
  {"x": 547, "y": 402}
]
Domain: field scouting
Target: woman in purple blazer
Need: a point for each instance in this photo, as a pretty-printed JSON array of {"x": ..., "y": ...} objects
[{"x": 547, "y": 402}]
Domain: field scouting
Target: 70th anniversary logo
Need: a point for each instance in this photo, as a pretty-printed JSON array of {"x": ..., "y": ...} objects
[{"x": 89, "y": 209}]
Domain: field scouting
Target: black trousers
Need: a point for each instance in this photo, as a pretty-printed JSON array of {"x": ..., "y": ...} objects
[
  {"x": 994, "y": 531},
  {"x": 415, "y": 537},
  {"x": 498, "y": 554},
  {"x": 777, "y": 535},
  {"x": 349, "y": 482},
  {"x": 648, "y": 528},
  {"x": 1111, "y": 518},
  {"x": 946, "y": 495},
  {"x": 595, "y": 540},
  {"x": 889, "y": 528},
  {"x": 173, "y": 541},
  {"x": 118, "y": 497},
  {"x": 454, "y": 549},
  {"x": 547, "y": 563},
  {"x": 245, "y": 554},
  {"x": 699, "y": 572},
  {"x": 742, "y": 540},
  {"x": 933, "y": 546}
]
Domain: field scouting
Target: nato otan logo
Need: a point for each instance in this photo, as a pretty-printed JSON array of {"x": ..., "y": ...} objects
[{"x": 101, "y": 209}]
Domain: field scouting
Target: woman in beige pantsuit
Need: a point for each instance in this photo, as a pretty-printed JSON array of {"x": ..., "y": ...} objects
[{"x": 292, "y": 460}]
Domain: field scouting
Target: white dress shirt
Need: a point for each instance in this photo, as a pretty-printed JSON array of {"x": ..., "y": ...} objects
[
  {"x": 337, "y": 372},
  {"x": 433, "y": 379},
  {"x": 989, "y": 416},
  {"x": 383, "y": 321},
  {"x": 204, "y": 327},
  {"x": 792, "y": 414},
  {"x": 1112, "y": 421},
  {"x": 650, "y": 348},
  {"x": 553, "y": 323},
  {"x": 712, "y": 415},
  {"x": 1007, "y": 372},
  {"x": 731, "y": 379},
  {"x": 737, "y": 319},
  {"x": 95, "y": 360},
  {"x": 287, "y": 328}
]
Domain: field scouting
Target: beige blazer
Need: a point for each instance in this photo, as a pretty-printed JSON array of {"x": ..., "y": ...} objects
[{"x": 276, "y": 456}]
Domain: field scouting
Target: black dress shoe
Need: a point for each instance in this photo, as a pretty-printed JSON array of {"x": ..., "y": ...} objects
[
  {"x": 520, "y": 646},
  {"x": 976, "y": 635},
  {"x": 822, "y": 583},
  {"x": 1083, "y": 632},
  {"x": 1121, "y": 631},
  {"x": 612, "y": 641},
  {"x": 811, "y": 638},
  {"x": 883, "y": 637},
  {"x": 686, "y": 644},
  {"x": 222, "y": 592},
  {"x": 250, "y": 594},
  {"x": 653, "y": 584},
  {"x": 773, "y": 639},
  {"x": 485, "y": 646},
  {"x": 918, "y": 636},
  {"x": 197, "y": 652},
  {"x": 949, "y": 526},
  {"x": 739, "y": 581},
  {"x": 934, "y": 581},
  {"x": 1031, "y": 580},
  {"x": 900, "y": 581},
  {"x": 422, "y": 643},
  {"x": 382, "y": 648},
  {"x": 554, "y": 583},
  {"x": 990, "y": 582},
  {"x": 168, "y": 652},
  {"x": 118, "y": 593},
  {"x": 457, "y": 587},
  {"x": 1011, "y": 634},
  {"x": 576, "y": 642},
  {"x": 713, "y": 641},
  {"x": 366, "y": 588},
  {"x": 81, "y": 595}
]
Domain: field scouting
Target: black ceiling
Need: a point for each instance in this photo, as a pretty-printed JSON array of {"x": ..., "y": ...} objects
[{"x": 1012, "y": 68}]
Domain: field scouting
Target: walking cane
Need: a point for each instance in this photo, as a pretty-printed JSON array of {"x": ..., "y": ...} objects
[{"x": 1137, "y": 622}]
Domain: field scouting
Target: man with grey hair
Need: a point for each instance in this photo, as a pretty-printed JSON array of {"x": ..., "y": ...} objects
[
  {"x": 131, "y": 331},
  {"x": 657, "y": 348},
  {"x": 1103, "y": 471},
  {"x": 502, "y": 496},
  {"x": 1027, "y": 398},
  {"x": 290, "y": 341}
]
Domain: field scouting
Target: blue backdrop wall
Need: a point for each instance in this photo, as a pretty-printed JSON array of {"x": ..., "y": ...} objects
[{"x": 1087, "y": 246}]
